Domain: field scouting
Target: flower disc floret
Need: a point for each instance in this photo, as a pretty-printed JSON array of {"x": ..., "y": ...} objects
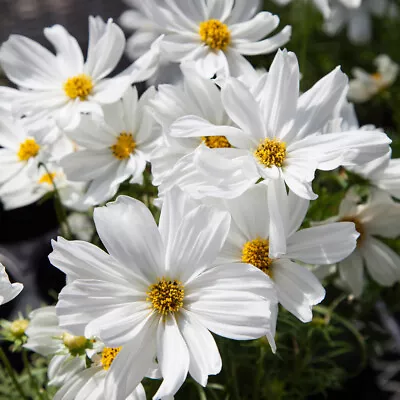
[
  {"x": 256, "y": 252},
  {"x": 78, "y": 86},
  {"x": 47, "y": 178},
  {"x": 28, "y": 149},
  {"x": 216, "y": 142},
  {"x": 107, "y": 356},
  {"x": 215, "y": 34},
  {"x": 271, "y": 152},
  {"x": 124, "y": 146},
  {"x": 166, "y": 296},
  {"x": 18, "y": 327},
  {"x": 359, "y": 228}
]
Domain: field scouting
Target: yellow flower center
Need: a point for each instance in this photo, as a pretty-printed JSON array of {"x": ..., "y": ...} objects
[
  {"x": 28, "y": 149},
  {"x": 107, "y": 356},
  {"x": 124, "y": 146},
  {"x": 215, "y": 34},
  {"x": 376, "y": 76},
  {"x": 19, "y": 327},
  {"x": 47, "y": 178},
  {"x": 359, "y": 228},
  {"x": 256, "y": 252},
  {"x": 166, "y": 296},
  {"x": 78, "y": 86},
  {"x": 271, "y": 152},
  {"x": 216, "y": 142}
]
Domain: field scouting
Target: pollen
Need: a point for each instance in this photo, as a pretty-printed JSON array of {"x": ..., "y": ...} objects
[
  {"x": 28, "y": 149},
  {"x": 124, "y": 146},
  {"x": 359, "y": 228},
  {"x": 107, "y": 356},
  {"x": 215, "y": 34},
  {"x": 216, "y": 142},
  {"x": 47, "y": 178},
  {"x": 18, "y": 327},
  {"x": 256, "y": 252},
  {"x": 271, "y": 152},
  {"x": 78, "y": 86},
  {"x": 166, "y": 296},
  {"x": 376, "y": 77}
]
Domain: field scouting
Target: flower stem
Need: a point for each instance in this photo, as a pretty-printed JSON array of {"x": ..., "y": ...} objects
[
  {"x": 11, "y": 373},
  {"x": 59, "y": 207},
  {"x": 31, "y": 377}
]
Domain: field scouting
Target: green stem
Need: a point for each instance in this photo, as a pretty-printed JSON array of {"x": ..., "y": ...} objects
[
  {"x": 11, "y": 373},
  {"x": 31, "y": 377},
  {"x": 60, "y": 209}
]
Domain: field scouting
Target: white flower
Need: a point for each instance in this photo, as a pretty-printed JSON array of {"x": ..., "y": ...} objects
[
  {"x": 146, "y": 31},
  {"x": 23, "y": 149},
  {"x": 279, "y": 135},
  {"x": 323, "y": 5},
  {"x": 31, "y": 187},
  {"x": 114, "y": 148},
  {"x": 46, "y": 338},
  {"x": 81, "y": 225},
  {"x": 388, "y": 179},
  {"x": 379, "y": 216},
  {"x": 8, "y": 290},
  {"x": 252, "y": 240},
  {"x": 157, "y": 293},
  {"x": 366, "y": 85},
  {"x": 62, "y": 85},
  {"x": 216, "y": 34},
  {"x": 89, "y": 383},
  {"x": 358, "y": 20},
  {"x": 196, "y": 96}
]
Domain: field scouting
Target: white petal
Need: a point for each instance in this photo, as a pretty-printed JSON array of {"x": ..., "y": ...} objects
[
  {"x": 129, "y": 232},
  {"x": 204, "y": 355},
  {"x": 326, "y": 244},
  {"x": 351, "y": 271},
  {"x": 8, "y": 290},
  {"x": 383, "y": 264},
  {"x": 298, "y": 289},
  {"x": 173, "y": 357}
]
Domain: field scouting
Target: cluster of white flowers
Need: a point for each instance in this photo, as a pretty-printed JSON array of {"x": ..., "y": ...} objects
[{"x": 233, "y": 151}]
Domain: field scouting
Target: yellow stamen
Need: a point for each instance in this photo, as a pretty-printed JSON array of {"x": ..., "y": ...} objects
[
  {"x": 107, "y": 356},
  {"x": 47, "y": 178},
  {"x": 78, "y": 86},
  {"x": 124, "y": 146},
  {"x": 271, "y": 152},
  {"x": 359, "y": 228},
  {"x": 376, "y": 76},
  {"x": 28, "y": 149},
  {"x": 215, "y": 34},
  {"x": 216, "y": 142},
  {"x": 18, "y": 327},
  {"x": 256, "y": 252},
  {"x": 166, "y": 296}
]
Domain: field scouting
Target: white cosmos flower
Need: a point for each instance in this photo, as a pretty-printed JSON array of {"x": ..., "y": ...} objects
[
  {"x": 279, "y": 135},
  {"x": 197, "y": 96},
  {"x": 46, "y": 338},
  {"x": 8, "y": 290},
  {"x": 323, "y": 5},
  {"x": 364, "y": 86},
  {"x": 31, "y": 187},
  {"x": 157, "y": 293},
  {"x": 88, "y": 384},
  {"x": 378, "y": 217},
  {"x": 388, "y": 179},
  {"x": 23, "y": 148},
  {"x": 358, "y": 21},
  {"x": 114, "y": 147},
  {"x": 252, "y": 240},
  {"x": 62, "y": 85},
  {"x": 216, "y": 34}
]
